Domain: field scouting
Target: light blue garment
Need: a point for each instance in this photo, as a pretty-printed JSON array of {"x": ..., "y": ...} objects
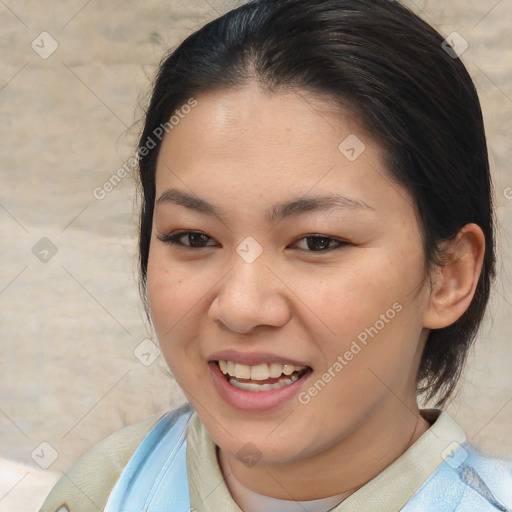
[
  {"x": 155, "y": 478},
  {"x": 465, "y": 482}
]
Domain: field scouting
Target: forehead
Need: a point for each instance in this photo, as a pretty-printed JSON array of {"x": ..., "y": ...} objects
[
  {"x": 251, "y": 117},
  {"x": 254, "y": 144}
]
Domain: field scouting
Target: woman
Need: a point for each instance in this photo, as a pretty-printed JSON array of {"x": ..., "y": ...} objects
[{"x": 316, "y": 249}]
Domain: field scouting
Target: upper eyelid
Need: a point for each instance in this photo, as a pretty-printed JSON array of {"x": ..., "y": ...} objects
[{"x": 179, "y": 234}]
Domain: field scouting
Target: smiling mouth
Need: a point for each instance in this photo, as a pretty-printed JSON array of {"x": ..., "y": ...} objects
[{"x": 261, "y": 377}]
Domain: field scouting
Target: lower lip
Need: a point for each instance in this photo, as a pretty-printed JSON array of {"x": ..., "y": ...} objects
[{"x": 254, "y": 401}]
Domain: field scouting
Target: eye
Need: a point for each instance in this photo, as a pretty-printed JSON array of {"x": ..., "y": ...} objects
[
  {"x": 320, "y": 243},
  {"x": 198, "y": 240},
  {"x": 194, "y": 239}
]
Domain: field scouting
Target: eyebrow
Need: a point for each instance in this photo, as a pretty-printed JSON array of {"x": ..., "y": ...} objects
[{"x": 295, "y": 207}]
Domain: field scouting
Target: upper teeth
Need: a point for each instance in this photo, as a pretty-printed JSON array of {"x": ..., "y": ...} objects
[{"x": 259, "y": 371}]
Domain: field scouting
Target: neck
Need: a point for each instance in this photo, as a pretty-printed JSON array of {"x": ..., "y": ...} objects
[{"x": 352, "y": 461}]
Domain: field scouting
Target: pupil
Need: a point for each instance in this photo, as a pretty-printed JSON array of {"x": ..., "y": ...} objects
[
  {"x": 196, "y": 239},
  {"x": 319, "y": 243}
]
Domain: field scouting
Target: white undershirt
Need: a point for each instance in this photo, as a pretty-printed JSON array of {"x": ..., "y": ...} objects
[{"x": 250, "y": 501}]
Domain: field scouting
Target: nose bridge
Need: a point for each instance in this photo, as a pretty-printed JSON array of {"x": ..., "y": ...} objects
[
  {"x": 250, "y": 295},
  {"x": 249, "y": 271},
  {"x": 249, "y": 268}
]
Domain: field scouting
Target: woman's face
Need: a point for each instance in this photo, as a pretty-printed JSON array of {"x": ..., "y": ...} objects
[{"x": 304, "y": 257}]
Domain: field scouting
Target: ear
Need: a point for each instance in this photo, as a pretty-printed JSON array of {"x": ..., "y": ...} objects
[{"x": 454, "y": 283}]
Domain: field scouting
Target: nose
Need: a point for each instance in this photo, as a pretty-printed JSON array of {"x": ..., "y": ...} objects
[{"x": 250, "y": 295}]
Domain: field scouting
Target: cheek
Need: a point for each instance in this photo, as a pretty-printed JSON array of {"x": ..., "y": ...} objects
[
  {"x": 161, "y": 286},
  {"x": 178, "y": 303},
  {"x": 172, "y": 288},
  {"x": 373, "y": 309},
  {"x": 171, "y": 297},
  {"x": 355, "y": 295}
]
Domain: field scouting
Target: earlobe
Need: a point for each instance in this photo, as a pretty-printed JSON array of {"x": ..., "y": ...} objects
[{"x": 454, "y": 283}]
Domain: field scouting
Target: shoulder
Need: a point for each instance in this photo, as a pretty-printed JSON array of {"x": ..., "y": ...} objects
[
  {"x": 87, "y": 485},
  {"x": 465, "y": 482},
  {"x": 487, "y": 482}
]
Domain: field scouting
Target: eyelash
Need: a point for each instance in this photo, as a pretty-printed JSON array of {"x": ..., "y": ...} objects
[{"x": 174, "y": 239}]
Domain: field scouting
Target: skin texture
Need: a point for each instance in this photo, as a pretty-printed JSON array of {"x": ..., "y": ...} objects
[{"x": 245, "y": 151}]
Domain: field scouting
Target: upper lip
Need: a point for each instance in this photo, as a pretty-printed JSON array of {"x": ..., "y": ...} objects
[{"x": 253, "y": 358}]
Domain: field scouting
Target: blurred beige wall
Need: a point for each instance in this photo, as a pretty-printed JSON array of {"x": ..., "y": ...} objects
[{"x": 72, "y": 74}]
